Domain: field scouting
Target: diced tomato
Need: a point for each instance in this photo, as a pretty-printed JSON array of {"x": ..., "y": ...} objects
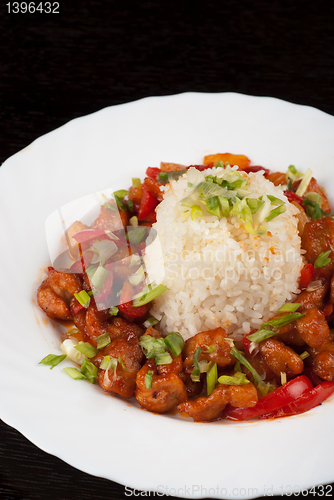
[
  {"x": 147, "y": 204},
  {"x": 152, "y": 172},
  {"x": 291, "y": 196},
  {"x": 277, "y": 399},
  {"x": 305, "y": 402},
  {"x": 126, "y": 303},
  {"x": 306, "y": 276}
]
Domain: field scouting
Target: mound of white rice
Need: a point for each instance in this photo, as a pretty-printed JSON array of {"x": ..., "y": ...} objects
[{"x": 217, "y": 273}]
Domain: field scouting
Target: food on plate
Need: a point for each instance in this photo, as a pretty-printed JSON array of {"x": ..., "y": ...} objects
[{"x": 206, "y": 288}]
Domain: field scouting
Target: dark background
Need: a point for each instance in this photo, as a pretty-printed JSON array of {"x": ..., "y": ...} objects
[{"x": 55, "y": 67}]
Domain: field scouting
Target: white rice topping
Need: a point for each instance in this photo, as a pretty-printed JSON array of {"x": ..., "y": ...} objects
[{"x": 216, "y": 272}]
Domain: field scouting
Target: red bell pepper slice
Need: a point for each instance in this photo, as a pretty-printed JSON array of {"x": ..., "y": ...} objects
[
  {"x": 291, "y": 196},
  {"x": 305, "y": 402},
  {"x": 306, "y": 276},
  {"x": 75, "y": 306},
  {"x": 147, "y": 204},
  {"x": 201, "y": 167},
  {"x": 277, "y": 399},
  {"x": 126, "y": 303}
]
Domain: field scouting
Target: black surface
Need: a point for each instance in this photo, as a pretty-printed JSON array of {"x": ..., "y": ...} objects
[{"x": 54, "y": 67}]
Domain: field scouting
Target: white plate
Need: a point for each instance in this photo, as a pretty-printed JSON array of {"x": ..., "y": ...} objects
[{"x": 75, "y": 421}]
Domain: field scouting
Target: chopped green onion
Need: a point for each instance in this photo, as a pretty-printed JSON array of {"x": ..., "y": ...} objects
[
  {"x": 72, "y": 332},
  {"x": 304, "y": 183},
  {"x": 211, "y": 378},
  {"x": 209, "y": 349},
  {"x": 89, "y": 370},
  {"x": 254, "y": 204},
  {"x": 196, "y": 211},
  {"x": 136, "y": 235},
  {"x": 121, "y": 193},
  {"x": 103, "y": 251},
  {"x": 237, "y": 366},
  {"x": 90, "y": 271},
  {"x": 137, "y": 277},
  {"x": 119, "y": 359},
  {"x": 151, "y": 346},
  {"x": 275, "y": 201},
  {"x": 136, "y": 182},
  {"x": 213, "y": 206},
  {"x": 163, "y": 359},
  {"x": 224, "y": 206},
  {"x": 304, "y": 355},
  {"x": 130, "y": 205},
  {"x": 289, "y": 307},
  {"x": 220, "y": 164},
  {"x": 86, "y": 349},
  {"x": 83, "y": 298},
  {"x": 283, "y": 378},
  {"x": 322, "y": 260},
  {"x": 203, "y": 365},
  {"x": 142, "y": 299},
  {"x": 52, "y": 360},
  {"x": 108, "y": 363},
  {"x": 162, "y": 177},
  {"x": 74, "y": 373},
  {"x": 99, "y": 277},
  {"x": 195, "y": 374},
  {"x": 113, "y": 311},
  {"x": 171, "y": 175},
  {"x": 175, "y": 343},
  {"x": 133, "y": 221},
  {"x": 119, "y": 202},
  {"x": 148, "y": 379},
  {"x": 283, "y": 320},
  {"x": 262, "y": 334},
  {"x": 239, "y": 378},
  {"x": 275, "y": 213},
  {"x": 150, "y": 322},
  {"x": 103, "y": 340}
]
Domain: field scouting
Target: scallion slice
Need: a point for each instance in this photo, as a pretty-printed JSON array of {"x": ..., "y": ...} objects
[
  {"x": 163, "y": 359},
  {"x": 304, "y": 183},
  {"x": 102, "y": 340},
  {"x": 133, "y": 221},
  {"x": 212, "y": 206},
  {"x": 195, "y": 374},
  {"x": 275, "y": 213},
  {"x": 239, "y": 378},
  {"x": 151, "y": 346},
  {"x": 262, "y": 334},
  {"x": 322, "y": 260},
  {"x": 113, "y": 311},
  {"x": 52, "y": 360},
  {"x": 224, "y": 206},
  {"x": 121, "y": 193},
  {"x": 89, "y": 370},
  {"x": 130, "y": 206},
  {"x": 148, "y": 379},
  {"x": 136, "y": 235},
  {"x": 283, "y": 378},
  {"x": 136, "y": 182},
  {"x": 289, "y": 307},
  {"x": 304, "y": 355},
  {"x": 196, "y": 211},
  {"x": 175, "y": 343},
  {"x": 144, "y": 298},
  {"x": 99, "y": 277},
  {"x": 83, "y": 298},
  {"x": 137, "y": 277},
  {"x": 211, "y": 377},
  {"x": 275, "y": 201},
  {"x": 283, "y": 320},
  {"x": 74, "y": 373},
  {"x": 86, "y": 349},
  {"x": 150, "y": 322}
]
